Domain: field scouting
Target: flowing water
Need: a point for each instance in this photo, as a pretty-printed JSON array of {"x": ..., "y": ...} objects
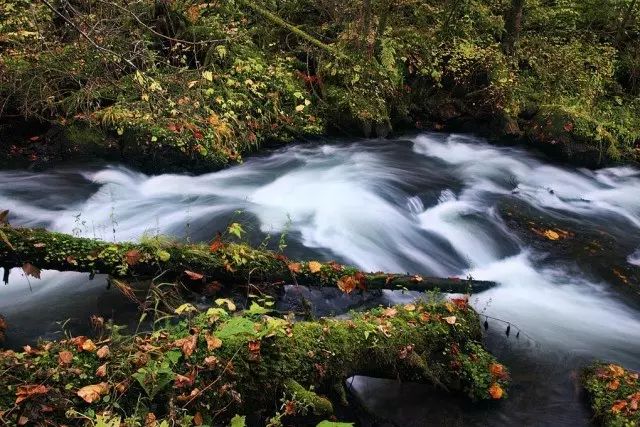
[{"x": 430, "y": 204}]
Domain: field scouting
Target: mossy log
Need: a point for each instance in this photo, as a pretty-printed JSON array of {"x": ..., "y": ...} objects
[
  {"x": 213, "y": 365},
  {"x": 614, "y": 393},
  {"x": 228, "y": 264}
]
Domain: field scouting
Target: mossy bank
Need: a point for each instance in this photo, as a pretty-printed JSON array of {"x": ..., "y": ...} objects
[{"x": 192, "y": 85}]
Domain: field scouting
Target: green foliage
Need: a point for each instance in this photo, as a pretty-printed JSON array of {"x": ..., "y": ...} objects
[{"x": 615, "y": 394}]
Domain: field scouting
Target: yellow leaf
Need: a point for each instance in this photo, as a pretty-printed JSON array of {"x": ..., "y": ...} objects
[
  {"x": 89, "y": 346},
  {"x": 207, "y": 75},
  {"x": 93, "y": 392},
  {"x": 314, "y": 266},
  {"x": 299, "y": 108},
  {"x": 551, "y": 235}
]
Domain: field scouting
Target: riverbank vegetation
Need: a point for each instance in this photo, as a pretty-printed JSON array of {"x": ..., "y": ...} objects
[
  {"x": 615, "y": 394},
  {"x": 194, "y": 85}
]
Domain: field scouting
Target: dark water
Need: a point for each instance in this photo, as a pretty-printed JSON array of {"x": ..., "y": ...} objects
[{"x": 430, "y": 204}]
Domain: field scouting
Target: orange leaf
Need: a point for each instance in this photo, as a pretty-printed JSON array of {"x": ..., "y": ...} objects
[
  {"x": 495, "y": 391},
  {"x": 347, "y": 284},
  {"x": 65, "y": 357},
  {"x": 314, "y": 266},
  {"x": 194, "y": 276},
  {"x": 497, "y": 371},
  {"x": 103, "y": 352},
  {"x": 217, "y": 244},
  {"x": 618, "y": 406},
  {"x": 91, "y": 393},
  {"x": 613, "y": 385},
  {"x": 101, "y": 371},
  {"x": 294, "y": 267},
  {"x": 25, "y": 392}
]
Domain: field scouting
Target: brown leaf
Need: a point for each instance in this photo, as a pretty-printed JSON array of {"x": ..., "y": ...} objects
[
  {"x": 347, "y": 284},
  {"x": 197, "y": 419},
  {"x": 183, "y": 381},
  {"x": 213, "y": 342},
  {"x": 103, "y": 352},
  {"x": 187, "y": 345},
  {"x": 389, "y": 312},
  {"x": 101, "y": 371},
  {"x": 23, "y": 420},
  {"x": 91, "y": 393},
  {"x": 211, "y": 361},
  {"x": 25, "y": 392},
  {"x": 193, "y": 276},
  {"x": 4, "y": 216},
  {"x": 65, "y": 357},
  {"x": 31, "y": 270},
  {"x": 133, "y": 256},
  {"x": 314, "y": 266}
]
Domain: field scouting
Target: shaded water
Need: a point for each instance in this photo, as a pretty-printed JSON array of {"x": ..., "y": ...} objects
[{"x": 430, "y": 205}]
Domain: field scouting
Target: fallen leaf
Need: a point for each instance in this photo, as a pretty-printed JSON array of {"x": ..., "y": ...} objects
[
  {"x": 187, "y": 345},
  {"x": 618, "y": 406},
  {"x": 410, "y": 307},
  {"x": 31, "y": 270},
  {"x": 91, "y": 393},
  {"x": 294, "y": 267},
  {"x": 197, "y": 419},
  {"x": 133, "y": 256},
  {"x": 101, "y": 371},
  {"x": 497, "y": 371},
  {"x": 25, "y": 392},
  {"x": 217, "y": 244},
  {"x": 390, "y": 312},
  {"x": 183, "y": 381},
  {"x": 103, "y": 352},
  {"x": 89, "y": 346},
  {"x": 39, "y": 245},
  {"x": 450, "y": 320},
  {"x": 495, "y": 391},
  {"x": 213, "y": 342},
  {"x": 23, "y": 420},
  {"x": 614, "y": 384},
  {"x": 551, "y": 235},
  {"x": 314, "y": 266},
  {"x": 65, "y": 357},
  {"x": 211, "y": 361},
  {"x": 347, "y": 284},
  {"x": 194, "y": 276}
]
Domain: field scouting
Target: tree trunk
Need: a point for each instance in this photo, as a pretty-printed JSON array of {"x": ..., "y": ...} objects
[
  {"x": 229, "y": 264},
  {"x": 513, "y": 26},
  {"x": 217, "y": 365}
]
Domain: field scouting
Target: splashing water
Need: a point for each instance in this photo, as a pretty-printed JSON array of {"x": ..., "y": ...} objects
[{"x": 427, "y": 205}]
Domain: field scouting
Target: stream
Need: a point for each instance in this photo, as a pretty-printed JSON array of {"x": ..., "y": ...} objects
[{"x": 429, "y": 204}]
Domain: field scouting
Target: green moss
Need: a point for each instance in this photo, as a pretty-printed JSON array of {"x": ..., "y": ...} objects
[
  {"x": 253, "y": 362},
  {"x": 615, "y": 394}
]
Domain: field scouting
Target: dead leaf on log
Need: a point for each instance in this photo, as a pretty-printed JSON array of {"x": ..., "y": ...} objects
[{"x": 31, "y": 270}]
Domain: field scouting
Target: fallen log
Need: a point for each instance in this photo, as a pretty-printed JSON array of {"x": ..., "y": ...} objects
[
  {"x": 228, "y": 264},
  {"x": 211, "y": 365}
]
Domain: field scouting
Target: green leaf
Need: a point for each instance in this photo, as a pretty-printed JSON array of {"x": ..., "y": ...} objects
[
  {"x": 238, "y": 421},
  {"x": 236, "y": 229},
  {"x": 163, "y": 256},
  {"x": 257, "y": 309},
  {"x": 236, "y": 326}
]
